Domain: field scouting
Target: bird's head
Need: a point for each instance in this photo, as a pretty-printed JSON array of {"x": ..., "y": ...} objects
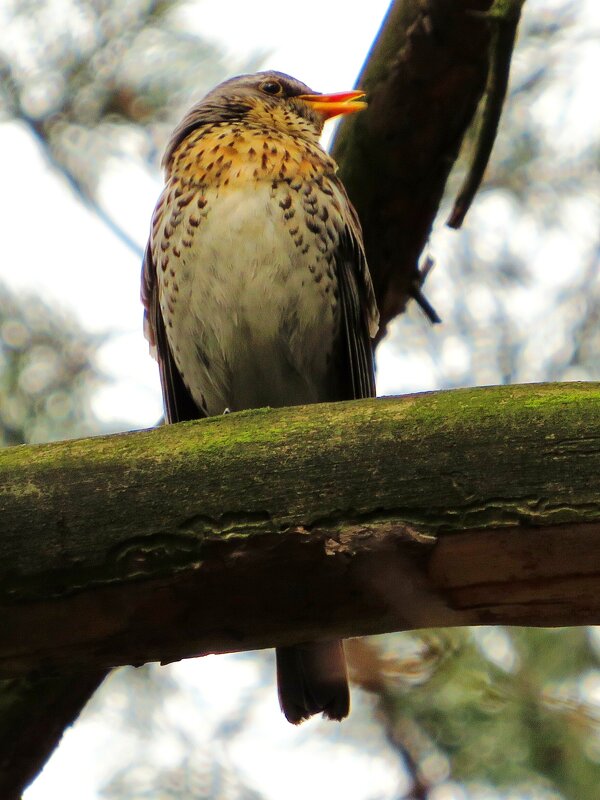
[{"x": 269, "y": 99}]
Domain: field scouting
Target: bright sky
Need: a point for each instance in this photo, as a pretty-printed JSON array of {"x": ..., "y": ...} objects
[{"x": 74, "y": 260}]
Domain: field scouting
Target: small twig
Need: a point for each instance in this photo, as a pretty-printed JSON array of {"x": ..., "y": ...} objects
[
  {"x": 504, "y": 15},
  {"x": 415, "y": 291}
]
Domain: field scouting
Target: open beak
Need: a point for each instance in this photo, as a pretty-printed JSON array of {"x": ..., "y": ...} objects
[{"x": 333, "y": 105}]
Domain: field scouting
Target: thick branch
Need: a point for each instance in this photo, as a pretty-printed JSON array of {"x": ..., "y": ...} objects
[
  {"x": 505, "y": 15},
  {"x": 424, "y": 78},
  {"x": 34, "y": 711},
  {"x": 275, "y": 526}
]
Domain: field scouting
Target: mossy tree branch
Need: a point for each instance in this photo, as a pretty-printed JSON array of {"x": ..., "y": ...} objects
[{"x": 275, "y": 526}]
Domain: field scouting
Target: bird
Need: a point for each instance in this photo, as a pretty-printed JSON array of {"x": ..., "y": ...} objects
[{"x": 256, "y": 289}]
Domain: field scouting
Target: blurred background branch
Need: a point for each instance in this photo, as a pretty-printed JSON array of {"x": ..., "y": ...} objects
[{"x": 103, "y": 86}]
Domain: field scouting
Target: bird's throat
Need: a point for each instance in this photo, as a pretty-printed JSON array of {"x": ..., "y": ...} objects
[{"x": 217, "y": 156}]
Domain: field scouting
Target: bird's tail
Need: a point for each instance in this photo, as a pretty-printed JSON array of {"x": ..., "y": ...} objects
[{"x": 312, "y": 678}]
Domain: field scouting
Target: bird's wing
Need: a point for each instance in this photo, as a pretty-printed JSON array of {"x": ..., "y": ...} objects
[
  {"x": 179, "y": 403},
  {"x": 359, "y": 314}
]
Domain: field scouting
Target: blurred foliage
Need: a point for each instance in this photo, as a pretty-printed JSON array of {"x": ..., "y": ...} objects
[
  {"x": 146, "y": 701},
  {"x": 491, "y": 706},
  {"x": 485, "y": 713},
  {"x": 47, "y": 373},
  {"x": 97, "y": 81}
]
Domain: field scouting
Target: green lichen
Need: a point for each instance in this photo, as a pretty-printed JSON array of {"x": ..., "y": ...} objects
[{"x": 438, "y": 462}]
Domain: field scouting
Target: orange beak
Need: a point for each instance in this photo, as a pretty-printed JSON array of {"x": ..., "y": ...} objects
[{"x": 333, "y": 105}]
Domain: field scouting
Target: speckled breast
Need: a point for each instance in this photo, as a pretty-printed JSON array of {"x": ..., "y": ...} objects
[{"x": 244, "y": 241}]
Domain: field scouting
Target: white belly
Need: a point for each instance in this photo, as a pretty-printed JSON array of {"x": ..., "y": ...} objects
[{"x": 251, "y": 319}]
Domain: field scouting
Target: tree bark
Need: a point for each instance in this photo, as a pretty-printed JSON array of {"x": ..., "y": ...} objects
[
  {"x": 277, "y": 526},
  {"x": 34, "y": 711},
  {"x": 424, "y": 78}
]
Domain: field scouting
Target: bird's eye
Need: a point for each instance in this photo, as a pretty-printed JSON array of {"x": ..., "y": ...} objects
[{"x": 271, "y": 87}]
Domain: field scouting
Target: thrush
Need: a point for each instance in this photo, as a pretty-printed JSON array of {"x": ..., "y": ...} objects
[{"x": 256, "y": 287}]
